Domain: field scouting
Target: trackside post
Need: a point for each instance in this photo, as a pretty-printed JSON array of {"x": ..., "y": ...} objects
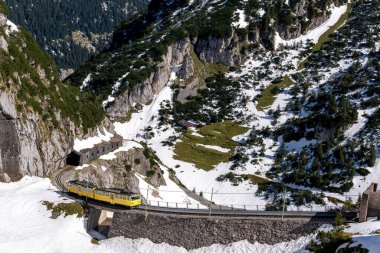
[
  {"x": 283, "y": 205},
  {"x": 212, "y": 193},
  {"x": 146, "y": 203}
]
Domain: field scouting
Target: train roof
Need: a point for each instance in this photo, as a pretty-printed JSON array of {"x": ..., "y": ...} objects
[
  {"x": 117, "y": 190},
  {"x": 83, "y": 183}
]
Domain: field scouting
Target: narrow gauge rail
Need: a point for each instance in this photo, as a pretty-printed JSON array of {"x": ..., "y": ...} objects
[{"x": 238, "y": 213}]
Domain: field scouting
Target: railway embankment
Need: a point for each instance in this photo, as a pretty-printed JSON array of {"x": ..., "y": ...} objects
[{"x": 199, "y": 231}]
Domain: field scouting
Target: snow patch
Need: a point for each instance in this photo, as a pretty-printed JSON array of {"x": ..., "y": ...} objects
[
  {"x": 92, "y": 141},
  {"x": 11, "y": 27},
  {"x": 217, "y": 148},
  {"x": 370, "y": 226},
  {"x": 127, "y": 145},
  {"x": 314, "y": 35},
  {"x": 241, "y": 23},
  {"x": 86, "y": 82},
  {"x": 298, "y": 145}
]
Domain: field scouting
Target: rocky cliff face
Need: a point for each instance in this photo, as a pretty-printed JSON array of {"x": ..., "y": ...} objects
[
  {"x": 27, "y": 145},
  {"x": 35, "y": 137},
  {"x": 304, "y": 22},
  {"x": 227, "y": 50},
  {"x": 177, "y": 56},
  {"x": 120, "y": 171},
  {"x": 144, "y": 67}
]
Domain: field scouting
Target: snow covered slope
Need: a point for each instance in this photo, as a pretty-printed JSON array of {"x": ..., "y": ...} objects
[
  {"x": 27, "y": 227},
  {"x": 365, "y": 236},
  {"x": 302, "y": 82}
]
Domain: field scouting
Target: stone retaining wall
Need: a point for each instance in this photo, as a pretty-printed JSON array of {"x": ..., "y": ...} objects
[
  {"x": 193, "y": 232},
  {"x": 370, "y": 203}
]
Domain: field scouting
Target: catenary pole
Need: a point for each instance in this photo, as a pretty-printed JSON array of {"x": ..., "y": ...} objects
[
  {"x": 283, "y": 205},
  {"x": 146, "y": 203},
  {"x": 212, "y": 193}
]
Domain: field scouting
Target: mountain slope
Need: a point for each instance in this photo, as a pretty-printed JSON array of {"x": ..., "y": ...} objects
[
  {"x": 304, "y": 93},
  {"x": 84, "y": 27},
  {"x": 38, "y": 114},
  {"x": 134, "y": 63}
]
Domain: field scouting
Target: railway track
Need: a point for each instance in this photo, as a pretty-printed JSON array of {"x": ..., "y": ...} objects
[
  {"x": 60, "y": 177},
  {"x": 238, "y": 214}
]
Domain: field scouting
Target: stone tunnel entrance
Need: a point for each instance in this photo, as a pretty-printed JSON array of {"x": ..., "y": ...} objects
[{"x": 73, "y": 159}]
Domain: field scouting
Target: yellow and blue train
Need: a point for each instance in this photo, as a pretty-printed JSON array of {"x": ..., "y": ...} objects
[{"x": 109, "y": 195}]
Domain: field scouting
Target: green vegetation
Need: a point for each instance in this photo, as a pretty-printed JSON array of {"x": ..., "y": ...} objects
[
  {"x": 326, "y": 36},
  {"x": 256, "y": 179},
  {"x": 211, "y": 105},
  {"x": 268, "y": 94},
  {"x": 150, "y": 155},
  {"x": 3, "y": 7},
  {"x": 202, "y": 70},
  {"x": 92, "y": 19},
  {"x": 122, "y": 54},
  {"x": 218, "y": 134},
  {"x": 236, "y": 179},
  {"x": 64, "y": 208},
  {"x": 329, "y": 241},
  {"x": 95, "y": 241},
  {"x": 42, "y": 84}
]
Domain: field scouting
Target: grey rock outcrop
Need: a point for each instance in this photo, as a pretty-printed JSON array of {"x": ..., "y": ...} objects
[
  {"x": 3, "y": 44},
  {"x": 27, "y": 145},
  {"x": 64, "y": 73},
  {"x": 177, "y": 56},
  {"x": 3, "y": 20},
  {"x": 120, "y": 171},
  {"x": 225, "y": 50},
  {"x": 295, "y": 30}
]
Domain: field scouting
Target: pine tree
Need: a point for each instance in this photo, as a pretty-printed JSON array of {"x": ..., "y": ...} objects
[
  {"x": 372, "y": 158},
  {"x": 317, "y": 179},
  {"x": 282, "y": 153},
  {"x": 276, "y": 114},
  {"x": 318, "y": 150},
  {"x": 339, "y": 220},
  {"x": 339, "y": 155}
]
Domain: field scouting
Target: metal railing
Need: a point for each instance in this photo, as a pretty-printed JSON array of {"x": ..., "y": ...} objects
[{"x": 261, "y": 208}]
